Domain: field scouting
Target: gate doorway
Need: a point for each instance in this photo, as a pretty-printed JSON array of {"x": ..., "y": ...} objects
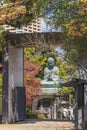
[{"x": 13, "y": 74}]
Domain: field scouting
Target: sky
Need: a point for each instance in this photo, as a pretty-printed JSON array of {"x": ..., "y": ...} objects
[
  {"x": 44, "y": 28},
  {"x": 48, "y": 29}
]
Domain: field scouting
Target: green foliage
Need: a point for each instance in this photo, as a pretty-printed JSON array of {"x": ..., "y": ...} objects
[
  {"x": 39, "y": 57},
  {"x": 76, "y": 49},
  {"x": 7, "y": 1},
  {"x": 0, "y": 121},
  {"x": 66, "y": 73},
  {"x": 65, "y": 69},
  {"x": 66, "y": 90},
  {"x": 29, "y": 113},
  {"x": 61, "y": 12},
  {"x": 71, "y": 16},
  {"x": 34, "y": 9},
  {"x": 34, "y": 56}
]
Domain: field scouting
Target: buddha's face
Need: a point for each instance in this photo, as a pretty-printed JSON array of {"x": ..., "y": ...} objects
[{"x": 50, "y": 64}]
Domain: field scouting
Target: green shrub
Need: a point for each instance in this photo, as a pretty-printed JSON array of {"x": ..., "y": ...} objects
[
  {"x": 29, "y": 113},
  {"x": 0, "y": 121}
]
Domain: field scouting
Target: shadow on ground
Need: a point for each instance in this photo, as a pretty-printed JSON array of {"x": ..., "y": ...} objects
[{"x": 42, "y": 120}]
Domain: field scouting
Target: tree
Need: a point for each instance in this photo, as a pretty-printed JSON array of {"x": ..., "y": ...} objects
[
  {"x": 34, "y": 55},
  {"x": 21, "y": 12},
  {"x": 32, "y": 84},
  {"x": 68, "y": 13},
  {"x": 38, "y": 57},
  {"x": 77, "y": 33},
  {"x": 77, "y": 26},
  {"x": 71, "y": 16},
  {"x": 66, "y": 72}
]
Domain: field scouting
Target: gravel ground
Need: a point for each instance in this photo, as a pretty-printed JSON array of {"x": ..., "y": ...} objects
[{"x": 38, "y": 125}]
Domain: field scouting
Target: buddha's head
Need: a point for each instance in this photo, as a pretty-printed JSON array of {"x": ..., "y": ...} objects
[{"x": 51, "y": 62}]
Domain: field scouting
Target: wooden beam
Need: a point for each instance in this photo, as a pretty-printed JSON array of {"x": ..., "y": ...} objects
[
  {"x": 74, "y": 81},
  {"x": 38, "y": 39}
]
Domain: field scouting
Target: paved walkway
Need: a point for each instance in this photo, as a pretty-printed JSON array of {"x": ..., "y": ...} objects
[
  {"x": 34, "y": 124},
  {"x": 38, "y": 125}
]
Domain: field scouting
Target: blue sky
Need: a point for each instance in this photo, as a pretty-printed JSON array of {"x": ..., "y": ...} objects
[
  {"x": 60, "y": 50},
  {"x": 45, "y": 29}
]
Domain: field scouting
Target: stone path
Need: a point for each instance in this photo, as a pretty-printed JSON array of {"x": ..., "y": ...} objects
[{"x": 38, "y": 125}]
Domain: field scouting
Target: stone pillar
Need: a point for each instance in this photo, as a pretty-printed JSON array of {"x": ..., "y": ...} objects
[
  {"x": 16, "y": 76},
  {"x": 52, "y": 109},
  {"x": 13, "y": 77},
  {"x": 5, "y": 85},
  {"x": 34, "y": 105},
  {"x": 58, "y": 114},
  {"x": 55, "y": 108}
]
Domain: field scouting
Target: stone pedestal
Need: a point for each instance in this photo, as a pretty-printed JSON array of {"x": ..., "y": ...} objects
[
  {"x": 50, "y": 87},
  {"x": 50, "y": 91}
]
